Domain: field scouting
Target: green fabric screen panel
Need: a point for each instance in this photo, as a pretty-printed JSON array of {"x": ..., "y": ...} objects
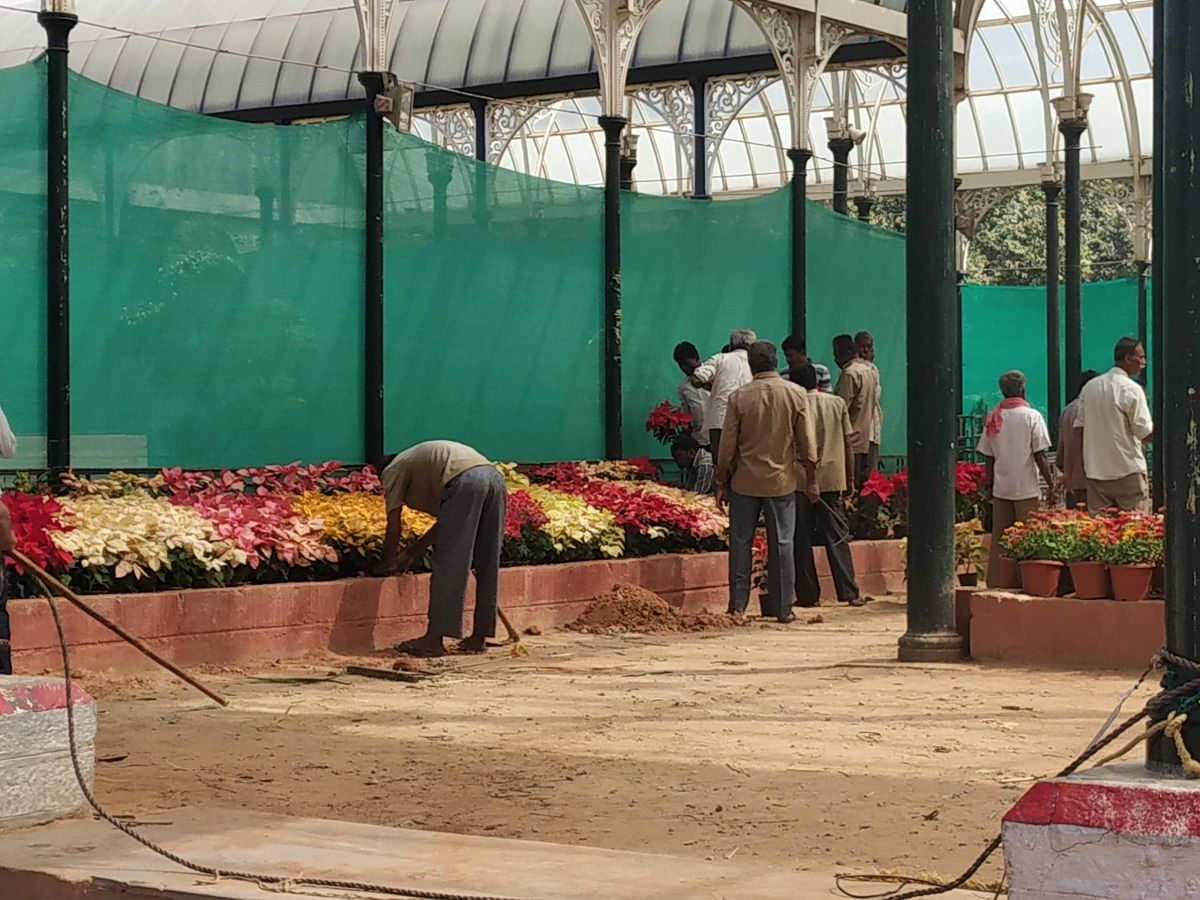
[
  {"x": 494, "y": 315},
  {"x": 23, "y": 259},
  {"x": 694, "y": 270},
  {"x": 1005, "y": 328},
  {"x": 216, "y": 287},
  {"x": 856, "y": 282}
]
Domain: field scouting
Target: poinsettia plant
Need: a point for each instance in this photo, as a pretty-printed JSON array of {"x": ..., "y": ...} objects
[
  {"x": 668, "y": 423},
  {"x": 35, "y": 520}
]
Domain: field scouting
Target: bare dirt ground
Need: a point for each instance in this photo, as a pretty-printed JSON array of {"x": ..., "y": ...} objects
[{"x": 805, "y": 746}]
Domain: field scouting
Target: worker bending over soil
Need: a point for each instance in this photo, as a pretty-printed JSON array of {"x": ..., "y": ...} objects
[{"x": 467, "y": 495}]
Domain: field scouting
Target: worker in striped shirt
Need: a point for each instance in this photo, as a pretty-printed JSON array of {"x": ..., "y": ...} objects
[{"x": 695, "y": 465}]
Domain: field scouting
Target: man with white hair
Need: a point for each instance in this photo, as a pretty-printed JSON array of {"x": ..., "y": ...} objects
[
  {"x": 1015, "y": 440},
  {"x": 723, "y": 374}
]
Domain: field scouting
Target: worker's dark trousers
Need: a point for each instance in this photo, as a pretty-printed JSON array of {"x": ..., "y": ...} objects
[
  {"x": 470, "y": 537},
  {"x": 828, "y": 521}
]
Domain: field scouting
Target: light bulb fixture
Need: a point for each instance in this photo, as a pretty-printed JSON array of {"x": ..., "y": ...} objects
[{"x": 60, "y": 7}]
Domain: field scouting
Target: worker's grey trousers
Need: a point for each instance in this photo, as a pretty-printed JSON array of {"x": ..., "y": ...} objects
[
  {"x": 470, "y": 536},
  {"x": 779, "y": 514}
]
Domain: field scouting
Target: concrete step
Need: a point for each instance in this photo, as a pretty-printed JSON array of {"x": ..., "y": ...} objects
[{"x": 90, "y": 860}]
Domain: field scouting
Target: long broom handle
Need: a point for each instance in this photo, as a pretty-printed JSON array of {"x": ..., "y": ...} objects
[{"x": 116, "y": 629}]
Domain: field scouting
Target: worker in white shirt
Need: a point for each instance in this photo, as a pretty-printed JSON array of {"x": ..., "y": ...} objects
[
  {"x": 8, "y": 441},
  {"x": 723, "y": 374},
  {"x": 1116, "y": 423},
  {"x": 1014, "y": 442}
]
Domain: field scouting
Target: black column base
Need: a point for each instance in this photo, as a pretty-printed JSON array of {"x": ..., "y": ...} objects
[
  {"x": 937, "y": 647},
  {"x": 1161, "y": 756}
]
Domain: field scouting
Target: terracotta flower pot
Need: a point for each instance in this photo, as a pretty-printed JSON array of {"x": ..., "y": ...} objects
[
  {"x": 1042, "y": 577},
  {"x": 1091, "y": 580},
  {"x": 1132, "y": 582}
]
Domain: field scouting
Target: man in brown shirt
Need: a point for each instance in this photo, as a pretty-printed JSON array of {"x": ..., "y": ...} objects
[
  {"x": 767, "y": 443},
  {"x": 859, "y": 387},
  {"x": 466, "y": 493}
]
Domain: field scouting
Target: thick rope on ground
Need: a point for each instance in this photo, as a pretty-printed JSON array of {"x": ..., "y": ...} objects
[{"x": 280, "y": 883}]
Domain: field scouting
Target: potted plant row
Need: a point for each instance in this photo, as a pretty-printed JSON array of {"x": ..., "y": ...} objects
[{"x": 1113, "y": 555}]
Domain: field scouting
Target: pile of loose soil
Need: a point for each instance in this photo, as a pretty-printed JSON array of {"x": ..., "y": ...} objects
[{"x": 629, "y": 608}]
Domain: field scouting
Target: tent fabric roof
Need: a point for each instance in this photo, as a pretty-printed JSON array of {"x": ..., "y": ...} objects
[{"x": 220, "y": 55}]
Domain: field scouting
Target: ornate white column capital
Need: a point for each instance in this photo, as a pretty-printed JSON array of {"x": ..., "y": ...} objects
[
  {"x": 614, "y": 26},
  {"x": 375, "y": 32}
]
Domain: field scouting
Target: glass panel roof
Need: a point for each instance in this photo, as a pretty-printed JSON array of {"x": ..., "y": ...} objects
[{"x": 220, "y": 55}]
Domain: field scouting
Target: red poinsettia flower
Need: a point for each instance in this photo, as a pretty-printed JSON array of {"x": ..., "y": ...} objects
[
  {"x": 522, "y": 510},
  {"x": 879, "y": 487},
  {"x": 34, "y": 519}
]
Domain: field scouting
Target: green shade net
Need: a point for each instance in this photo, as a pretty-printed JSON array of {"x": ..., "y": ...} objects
[
  {"x": 694, "y": 270},
  {"x": 217, "y": 293},
  {"x": 494, "y": 318},
  {"x": 22, "y": 261},
  {"x": 1005, "y": 328},
  {"x": 216, "y": 285}
]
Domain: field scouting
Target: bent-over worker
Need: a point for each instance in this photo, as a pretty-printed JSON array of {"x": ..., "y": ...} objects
[{"x": 467, "y": 495}]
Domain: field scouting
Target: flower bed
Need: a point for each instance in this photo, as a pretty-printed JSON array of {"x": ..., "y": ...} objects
[
  {"x": 881, "y": 508},
  {"x": 180, "y": 529}
]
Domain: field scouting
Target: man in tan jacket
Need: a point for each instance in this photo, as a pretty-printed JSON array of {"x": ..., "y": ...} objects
[
  {"x": 767, "y": 443},
  {"x": 859, "y": 387}
]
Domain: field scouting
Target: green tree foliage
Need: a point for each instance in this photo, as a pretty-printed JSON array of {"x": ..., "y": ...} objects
[{"x": 1009, "y": 244}]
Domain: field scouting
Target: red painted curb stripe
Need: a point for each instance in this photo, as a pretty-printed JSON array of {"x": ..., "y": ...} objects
[
  {"x": 38, "y": 697},
  {"x": 1127, "y": 810}
]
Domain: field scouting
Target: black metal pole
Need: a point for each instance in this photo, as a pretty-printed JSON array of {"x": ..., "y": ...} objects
[
  {"x": 58, "y": 26},
  {"x": 1143, "y": 312},
  {"x": 628, "y": 164},
  {"x": 438, "y": 172},
  {"x": 479, "y": 110},
  {"x": 1052, "y": 191},
  {"x": 863, "y": 204},
  {"x": 1158, "y": 243},
  {"x": 613, "y": 439},
  {"x": 932, "y": 315},
  {"x": 800, "y": 157},
  {"x": 841, "y": 147},
  {"x": 700, "y": 156},
  {"x": 374, "y": 83},
  {"x": 1180, "y": 64},
  {"x": 1072, "y": 130},
  {"x": 959, "y": 279}
]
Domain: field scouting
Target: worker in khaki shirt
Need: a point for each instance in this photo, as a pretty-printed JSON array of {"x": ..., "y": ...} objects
[
  {"x": 767, "y": 442},
  {"x": 835, "y": 436},
  {"x": 859, "y": 387},
  {"x": 468, "y": 496},
  {"x": 1116, "y": 424},
  {"x": 864, "y": 341}
]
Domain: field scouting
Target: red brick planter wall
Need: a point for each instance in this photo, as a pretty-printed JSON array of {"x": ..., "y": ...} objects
[
  {"x": 363, "y": 614},
  {"x": 1064, "y": 632}
]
